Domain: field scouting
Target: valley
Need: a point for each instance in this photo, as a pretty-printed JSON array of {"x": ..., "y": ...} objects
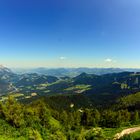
[
  {"x": 101, "y": 90},
  {"x": 95, "y": 103}
]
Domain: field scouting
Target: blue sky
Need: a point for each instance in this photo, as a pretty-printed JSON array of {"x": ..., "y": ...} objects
[{"x": 70, "y": 33}]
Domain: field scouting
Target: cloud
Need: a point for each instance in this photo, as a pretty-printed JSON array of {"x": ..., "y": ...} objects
[
  {"x": 109, "y": 60},
  {"x": 62, "y": 58}
]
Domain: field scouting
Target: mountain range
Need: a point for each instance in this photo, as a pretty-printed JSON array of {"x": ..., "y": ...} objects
[
  {"x": 71, "y": 72},
  {"x": 99, "y": 90}
]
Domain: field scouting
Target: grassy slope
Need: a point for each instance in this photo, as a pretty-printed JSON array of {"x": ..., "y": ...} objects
[{"x": 136, "y": 135}]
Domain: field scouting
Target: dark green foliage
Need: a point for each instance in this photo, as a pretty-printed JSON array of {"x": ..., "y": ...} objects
[
  {"x": 90, "y": 117},
  {"x": 111, "y": 118},
  {"x": 94, "y": 134},
  {"x": 38, "y": 121},
  {"x": 63, "y": 102},
  {"x": 131, "y": 101},
  {"x": 13, "y": 112},
  {"x": 127, "y": 137}
]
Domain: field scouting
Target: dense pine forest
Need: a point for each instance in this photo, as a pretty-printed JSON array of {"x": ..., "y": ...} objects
[{"x": 38, "y": 121}]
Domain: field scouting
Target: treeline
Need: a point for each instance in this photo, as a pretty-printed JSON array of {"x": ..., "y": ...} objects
[
  {"x": 94, "y": 118},
  {"x": 37, "y": 121}
]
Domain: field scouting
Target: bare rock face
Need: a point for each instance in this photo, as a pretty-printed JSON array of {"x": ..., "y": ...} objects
[{"x": 6, "y": 76}]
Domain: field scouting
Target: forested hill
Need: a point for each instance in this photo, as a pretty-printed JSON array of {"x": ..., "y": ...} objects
[
  {"x": 99, "y": 90},
  {"x": 39, "y": 121},
  {"x": 40, "y": 107}
]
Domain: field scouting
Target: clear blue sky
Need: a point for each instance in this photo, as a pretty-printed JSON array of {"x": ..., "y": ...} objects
[{"x": 70, "y": 33}]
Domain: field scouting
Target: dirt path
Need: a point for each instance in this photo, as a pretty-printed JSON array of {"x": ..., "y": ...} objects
[{"x": 126, "y": 132}]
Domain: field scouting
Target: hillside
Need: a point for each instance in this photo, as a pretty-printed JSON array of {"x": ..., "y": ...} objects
[
  {"x": 87, "y": 106},
  {"x": 131, "y": 101},
  {"x": 101, "y": 90}
]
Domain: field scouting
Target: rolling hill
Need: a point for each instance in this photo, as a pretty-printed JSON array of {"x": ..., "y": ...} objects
[{"x": 101, "y": 90}]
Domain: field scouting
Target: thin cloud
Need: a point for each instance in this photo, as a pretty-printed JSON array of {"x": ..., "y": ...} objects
[
  {"x": 109, "y": 60},
  {"x": 62, "y": 58}
]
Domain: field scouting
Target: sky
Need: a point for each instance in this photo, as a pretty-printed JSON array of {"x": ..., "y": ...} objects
[{"x": 70, "y": 33}]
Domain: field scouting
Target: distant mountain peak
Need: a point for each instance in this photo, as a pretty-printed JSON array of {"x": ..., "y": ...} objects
[
  {"x": 1, "y": 66},
  {"x": 4, "y": 69},
  {"x": 83, "y": 74}
]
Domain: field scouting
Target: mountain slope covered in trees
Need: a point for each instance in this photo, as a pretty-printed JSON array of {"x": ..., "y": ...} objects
[
  {"x": 101, "y": 90},
  {"x": 41, "y": 107}
]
